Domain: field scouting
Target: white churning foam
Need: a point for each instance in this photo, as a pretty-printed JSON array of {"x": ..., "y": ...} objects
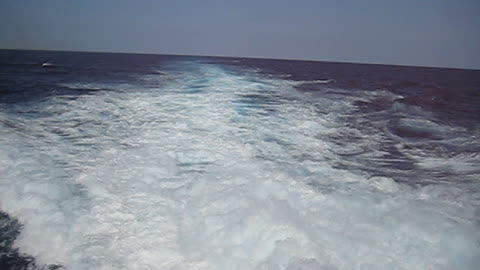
[{"x": 218, "y": 178}]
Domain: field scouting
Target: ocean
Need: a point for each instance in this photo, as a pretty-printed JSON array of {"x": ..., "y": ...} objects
[{"x": 136, "y": 161}]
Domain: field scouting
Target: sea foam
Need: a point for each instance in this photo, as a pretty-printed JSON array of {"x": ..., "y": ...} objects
[{"x": 219, "y": 178}]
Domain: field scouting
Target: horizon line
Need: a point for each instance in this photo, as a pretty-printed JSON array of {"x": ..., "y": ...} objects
[{"x": 249, "y": 57}]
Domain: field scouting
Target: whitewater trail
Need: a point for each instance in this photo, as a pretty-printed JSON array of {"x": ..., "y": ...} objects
[{"x": 206, "y": 168}]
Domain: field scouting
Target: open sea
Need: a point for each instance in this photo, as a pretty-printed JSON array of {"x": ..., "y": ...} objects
[{"x": 130, "y": 161}]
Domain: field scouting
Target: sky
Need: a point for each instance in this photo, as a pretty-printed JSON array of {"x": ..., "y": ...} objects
[{"x": 443, "y": 33}]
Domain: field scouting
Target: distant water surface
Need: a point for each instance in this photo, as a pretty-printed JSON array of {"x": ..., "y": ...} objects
[{"x": 120, "y": 161}]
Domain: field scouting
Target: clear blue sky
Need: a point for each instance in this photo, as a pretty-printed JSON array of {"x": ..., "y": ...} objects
[{"x": 409, "y": 32}]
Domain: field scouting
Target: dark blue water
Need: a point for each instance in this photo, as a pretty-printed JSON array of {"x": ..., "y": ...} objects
[{"x": 124, "y": 161}]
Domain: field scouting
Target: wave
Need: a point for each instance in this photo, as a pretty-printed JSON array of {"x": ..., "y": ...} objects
[
  {"x": 325, "y": 81},
  {"x": 242, "y": 173},
  {"x": 47, "y": 64}
]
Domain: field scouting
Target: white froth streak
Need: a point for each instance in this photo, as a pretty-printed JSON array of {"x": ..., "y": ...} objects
[{"x": 176, "y": 179}]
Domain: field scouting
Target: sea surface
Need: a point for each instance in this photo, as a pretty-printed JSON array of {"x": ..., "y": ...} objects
[{"x": 125, "y": 161}]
